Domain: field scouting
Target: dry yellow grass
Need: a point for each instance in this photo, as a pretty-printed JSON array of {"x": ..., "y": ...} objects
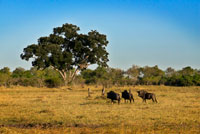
[{"x": 31, "y": 110}]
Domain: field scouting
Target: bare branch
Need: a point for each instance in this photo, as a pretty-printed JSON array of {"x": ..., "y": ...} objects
[{"x": 62, "y": 73}]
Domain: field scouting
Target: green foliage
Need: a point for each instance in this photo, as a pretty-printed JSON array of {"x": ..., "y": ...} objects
[
  {"x": 34, "y": 82},
  {"x": 5, "y": 70},
  {"x": 52, "y": 78},
  {"x": 151, "y": 75},
  {"x": 33, "y": 77},
  {"x": 151, "y": 71},
  {"x": 196, "y": 79},
  {"x": 4, "y": 79},
  {"x": 97, "y": 76},
  {"x": 169, "y": 72},
  {"x": 104, "y": 76},
  {"x": 116, "y": 76},
  {"x": 187, "y": 71},
  {"x": 89, "y": 76},
  {"x": 101, "y": 75},
  {"x": 18, "y": 72},
  {"x": 53, "y": 82},
  {"x": 133, "y": 74},
  {"x": 5, "y": 76},
  {"x": 185, "y": 77},
  {"x": 65, "y": 49}
]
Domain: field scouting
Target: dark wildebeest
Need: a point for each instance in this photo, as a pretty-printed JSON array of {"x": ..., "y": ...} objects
[
  {"x": 127, "y": 95},
  {"x": 145, "y": 95},
  {"x": 113, "y": 96}
]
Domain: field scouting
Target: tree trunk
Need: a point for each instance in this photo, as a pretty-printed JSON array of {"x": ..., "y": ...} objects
[
  {"x": 73, "y": 75},
  {"x": 70, "y": 77},
  {"x": 64, "y": 76}
]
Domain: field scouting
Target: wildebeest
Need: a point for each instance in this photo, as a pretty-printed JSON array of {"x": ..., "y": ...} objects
[
  {"x": 145, "y": 95},
  {"x": 127, "y": 95},
  {"x": 113, "y": 96}
]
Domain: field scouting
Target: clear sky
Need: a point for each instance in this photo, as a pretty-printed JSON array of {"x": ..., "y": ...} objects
[{"x": 140, "y": 32}]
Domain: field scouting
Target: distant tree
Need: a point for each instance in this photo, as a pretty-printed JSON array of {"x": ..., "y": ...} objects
[
  {"x": 5, "y": 76},
  {"x": 67, "y": 51},
  {"x": 116, "y": 75},
  {"x": 196, "y": 79},
  {"x": 99, "y": 76},
  {"x": 18, "y": 72},
  {"x": 151, "y": 75},
  {"x": 89, "y": 76},
  {"x": 102, "y": 76},
  {"x": 149, "y": 71},
  {"x": 133, "y": 73},
  {"x": 5, "y": 70},
  {"x": 187, "y": 71},
  {"x": 169, "y": 72}
]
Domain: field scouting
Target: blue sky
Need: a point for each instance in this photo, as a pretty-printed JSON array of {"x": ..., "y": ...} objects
[{"x": 140, "y": 32}]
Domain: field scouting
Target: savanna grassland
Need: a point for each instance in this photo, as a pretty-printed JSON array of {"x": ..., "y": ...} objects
[{"x": 29, "y": 110}]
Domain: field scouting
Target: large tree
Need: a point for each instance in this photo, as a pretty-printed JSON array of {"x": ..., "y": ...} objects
[{"x": 68, "y": 51}]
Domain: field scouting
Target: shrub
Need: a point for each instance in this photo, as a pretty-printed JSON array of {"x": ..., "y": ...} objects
[{"x": 53, "y": 82}]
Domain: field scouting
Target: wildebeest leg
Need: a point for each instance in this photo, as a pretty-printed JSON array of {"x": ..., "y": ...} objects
[
  {"x": 156, "y": 100},
  {"x": 144, "y": 100},
  {"x": 118, "y": 101},
  {"x": 130, "y": 100}
]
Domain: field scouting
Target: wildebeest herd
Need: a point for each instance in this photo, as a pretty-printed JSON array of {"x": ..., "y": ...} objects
[{"x": 129, "y": 96}]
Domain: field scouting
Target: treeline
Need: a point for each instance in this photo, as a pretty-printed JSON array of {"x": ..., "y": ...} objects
[
  {"x": 32, "y": 77},
  {"x": 142, "y": 76},
  {"x": 102, "y": 76}
]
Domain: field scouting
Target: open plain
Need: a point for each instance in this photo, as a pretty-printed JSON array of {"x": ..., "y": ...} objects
[{"x": 29, "y": 110}]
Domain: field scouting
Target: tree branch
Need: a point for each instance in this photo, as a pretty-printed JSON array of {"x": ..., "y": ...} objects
[
  {"x": 62, "y": 73},
  {"x": 74, "y": 74}
]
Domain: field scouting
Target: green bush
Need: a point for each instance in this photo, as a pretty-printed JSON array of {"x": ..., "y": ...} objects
[
  {"x": 4, "y": 78},
  {"x": 53, "y": 82},
  {"x": 34, "y": 82}
]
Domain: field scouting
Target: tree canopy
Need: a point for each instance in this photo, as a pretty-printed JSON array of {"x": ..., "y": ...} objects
[{"x": 68, "y": 51}]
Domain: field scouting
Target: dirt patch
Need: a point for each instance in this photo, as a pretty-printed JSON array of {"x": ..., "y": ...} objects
[
  {"x": 29, "y": 125},
  {"x": 4, "y": 105},
  {"x": 49, "y": 125}
]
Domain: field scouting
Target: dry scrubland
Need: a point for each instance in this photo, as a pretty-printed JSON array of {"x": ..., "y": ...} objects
[{"x": 43, "y": 110}]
